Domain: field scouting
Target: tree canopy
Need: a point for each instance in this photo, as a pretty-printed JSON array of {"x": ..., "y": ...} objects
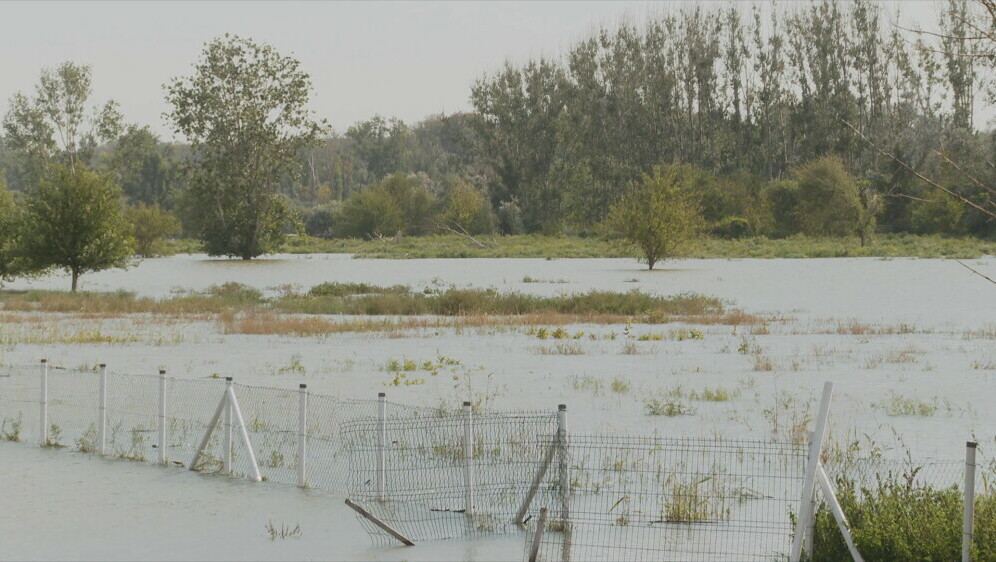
[
  {"x": 659, "y": 215},
  {"x": 244, "y": 110},
  {"x": 73, "y": 221}
]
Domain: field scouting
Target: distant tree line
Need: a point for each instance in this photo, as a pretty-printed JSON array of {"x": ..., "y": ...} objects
[{"x": 777, "y": 121}]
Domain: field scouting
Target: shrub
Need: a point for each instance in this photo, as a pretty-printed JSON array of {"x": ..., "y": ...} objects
[
  {"x": 152, "y": 226},
  {"x": 319, "y": 224},
  {"x": 898, "y": 519},
  {"x": 659, "y": 216},
  {"x": 732, "y": 228}
]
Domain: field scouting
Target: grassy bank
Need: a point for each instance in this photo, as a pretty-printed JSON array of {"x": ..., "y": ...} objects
[
  {"x": 557, "y": 247},
  {"x": 537, "y": 246}
]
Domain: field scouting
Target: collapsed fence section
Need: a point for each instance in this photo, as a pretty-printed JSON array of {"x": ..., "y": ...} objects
[
  {"x": 654, "y": 498},
  {"x": 449, "y": 474}
]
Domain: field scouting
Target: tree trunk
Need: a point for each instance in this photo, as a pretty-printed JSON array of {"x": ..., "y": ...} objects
[{"x": 76, "y": 278}]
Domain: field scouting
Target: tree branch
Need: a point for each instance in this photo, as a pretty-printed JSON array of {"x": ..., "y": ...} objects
[{"x": 929, "y": 181}]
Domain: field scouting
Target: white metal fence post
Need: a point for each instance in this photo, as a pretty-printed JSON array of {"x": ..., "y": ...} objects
[
  {"x": 226, "y": 454},
  {"x": 468, "y": 457},
  {"x": 43, "y": 404},
  {"x": 968, "y": 522},
  {"x": 102, "y": 412},
  {"x": 302, "y": 436},
  {"x": 806, "y": 505},
  {"x": 162, "y": 416},
  {"x": 381, "y": 444},
  {"x": 563, "y": 477}
]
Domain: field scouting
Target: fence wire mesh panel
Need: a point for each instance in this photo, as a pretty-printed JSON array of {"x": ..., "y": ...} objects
[
  {"x": 868, "y": 473},
  {"x": 425, "y": 490},
  {"x": 328, "y": 454},
  {"x": 132, "y": 406},
  {"x": 73, "y": 400},
  {"x": 650, "y": 498},
  {"x": 189, "y": 407},
  {"x": 19, "y": 394},
  {"x": 271, "y": 416}
]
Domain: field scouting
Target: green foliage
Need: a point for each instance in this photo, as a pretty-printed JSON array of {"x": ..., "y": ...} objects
[
  {"x": 144, "y": 167},
  {"x": 54, "y": 124},
  {"x": 151, "y": 226},
  {"x": 467, "y": 210},
  {"x": 319, "y": 223},
  {"x": 400, "y": 203},
  {"x": 782, "y": 201},
  {"x": 245, "y": 112},
  {"x": 829, "y": 200},
  {"x": 659, "y": 216},
  {"x": 74, "y": 222},
  {"x": 899, "y": 519},
  {"x": 9, "y": 234}
]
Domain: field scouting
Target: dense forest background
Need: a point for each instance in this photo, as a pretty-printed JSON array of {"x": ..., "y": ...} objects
[{"x": 747, "y": 99}]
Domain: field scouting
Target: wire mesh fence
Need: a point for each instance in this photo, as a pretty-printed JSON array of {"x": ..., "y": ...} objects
[
  {"x": 19, "y": 396},
  {"x": 436, "y": 473},
  {"x": 445, "y": 474},
  {"x": 654, "y": 498}
]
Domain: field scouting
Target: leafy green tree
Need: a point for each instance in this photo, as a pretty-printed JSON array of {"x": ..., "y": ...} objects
[
  {"x": 245, "y": 112},
  {"x": 399, "y": 204},
  {"x": 151, "y": 226},
  {"x": 660, "y": 215},
  {"x": 9, "y": 234},
  {"x": 832, "y": 202},
  {"x": 467, "y": 210},
  {"x": 73, "y": 221},
  {"x": 143, "y": 166},
  {"x": 369, "y": 213},
  {"x": 56, "y": 122}
]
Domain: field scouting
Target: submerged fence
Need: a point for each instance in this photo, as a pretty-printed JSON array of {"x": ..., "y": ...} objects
[{"x": 417, "y": 473}]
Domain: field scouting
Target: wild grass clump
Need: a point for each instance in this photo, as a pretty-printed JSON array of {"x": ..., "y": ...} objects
[
  {"x": 898, "y": 519},
  {"x": 697, "y": 501},
  {"x": 899, "y": 405},
  {"x": 669, "y": 407},
  {"x": 335, "y": 289}
]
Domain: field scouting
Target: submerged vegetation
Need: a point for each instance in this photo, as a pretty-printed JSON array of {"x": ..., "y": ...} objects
[{"x": 362, "y": 300}]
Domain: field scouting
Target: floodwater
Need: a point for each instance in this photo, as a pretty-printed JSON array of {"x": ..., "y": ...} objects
[
  {"x": 908, "y": 343},
  {"x": 923, "y": 291}
]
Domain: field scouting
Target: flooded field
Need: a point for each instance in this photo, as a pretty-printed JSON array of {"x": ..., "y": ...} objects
[{"x": 910, "y": 345}]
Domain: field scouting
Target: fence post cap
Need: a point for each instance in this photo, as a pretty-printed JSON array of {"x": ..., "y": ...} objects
[
  {"x": 562, "y": 407},
  {"x": 466, "y": 403},
  {"x": 162, "y": 371},
  {"x": 971, "y": 444},
  {"x": 102, "y": 365},
  {"x": 228, "y": 379},
  {"x": 302, "y": 385},
  {"x": 381, "y": 395},
  {"x": 44, "y": 360}
]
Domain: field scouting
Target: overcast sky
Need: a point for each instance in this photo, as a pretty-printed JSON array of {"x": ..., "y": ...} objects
[{"x": 403, "y": 59}]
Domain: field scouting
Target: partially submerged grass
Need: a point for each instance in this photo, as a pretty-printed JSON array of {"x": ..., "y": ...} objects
[
  {"x": 240, "y": 309},
  {"x": 667, "y": 406},
  {"x": 899, "y": 405}
]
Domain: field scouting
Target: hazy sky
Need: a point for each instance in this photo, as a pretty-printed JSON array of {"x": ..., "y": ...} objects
[{"x": 404, "y": 59}]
